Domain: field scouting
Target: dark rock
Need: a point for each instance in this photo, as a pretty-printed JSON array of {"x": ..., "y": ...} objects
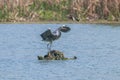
[
  {"x": 55, "y": 55},
  {"x": 40, "y": 58},
  {"x": 74, "y": 57}
]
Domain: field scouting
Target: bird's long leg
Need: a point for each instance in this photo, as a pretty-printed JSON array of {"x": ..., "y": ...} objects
[{"x": 49, "y": 45}]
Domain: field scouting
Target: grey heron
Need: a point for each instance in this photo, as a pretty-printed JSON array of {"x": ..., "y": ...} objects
[{"x": 50, "y": 36}]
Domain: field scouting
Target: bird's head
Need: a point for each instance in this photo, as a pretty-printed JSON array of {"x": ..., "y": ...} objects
[{"x": 64, "y": 28}]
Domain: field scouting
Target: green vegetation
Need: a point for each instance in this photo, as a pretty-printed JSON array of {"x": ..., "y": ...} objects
[{"x": 59, "y": 10}]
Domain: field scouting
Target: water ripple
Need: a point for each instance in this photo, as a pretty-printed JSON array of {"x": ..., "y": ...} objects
[{"x": 96, "y": 46}]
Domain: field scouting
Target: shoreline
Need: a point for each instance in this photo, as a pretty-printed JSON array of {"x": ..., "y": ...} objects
[{"x": 63, "y": 22}]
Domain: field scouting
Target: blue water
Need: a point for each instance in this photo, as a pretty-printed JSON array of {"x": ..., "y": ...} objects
[{"x": 97, "y": 47}]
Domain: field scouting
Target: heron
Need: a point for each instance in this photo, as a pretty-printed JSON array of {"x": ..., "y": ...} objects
[{"x": 50, "y": 36}]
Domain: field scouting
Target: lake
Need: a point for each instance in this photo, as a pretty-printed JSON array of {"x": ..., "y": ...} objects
[{"x": 97, "y": 47}]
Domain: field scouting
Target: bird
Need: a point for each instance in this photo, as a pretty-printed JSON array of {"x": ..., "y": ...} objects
[
  {"x": 50, "y": 36},
  {"x": 72, "y": 17}
]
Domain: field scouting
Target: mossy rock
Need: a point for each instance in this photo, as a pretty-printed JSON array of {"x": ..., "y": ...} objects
[{"x": 55, "y": 55}]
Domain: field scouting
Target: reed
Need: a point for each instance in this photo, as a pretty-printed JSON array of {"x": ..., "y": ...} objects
[{"x": 47, "y": 10}]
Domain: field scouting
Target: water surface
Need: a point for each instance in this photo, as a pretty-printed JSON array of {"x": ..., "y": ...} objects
[{"x": 97, "y": 47}]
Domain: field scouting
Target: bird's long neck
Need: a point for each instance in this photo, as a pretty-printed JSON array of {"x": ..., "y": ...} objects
[
  {"x": 59, "y": 29},
  {"x": 59, "y": 34},
  {"x": 56, "y": 34}
]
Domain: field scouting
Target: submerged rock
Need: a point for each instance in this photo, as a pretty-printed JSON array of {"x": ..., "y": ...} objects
[{"x": 55, "y": 55}]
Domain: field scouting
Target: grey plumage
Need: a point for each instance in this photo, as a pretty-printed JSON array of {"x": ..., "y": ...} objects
[{"x": 50, "y": 36}]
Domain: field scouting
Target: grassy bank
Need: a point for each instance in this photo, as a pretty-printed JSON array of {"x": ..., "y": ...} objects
[
  {"x": 84, "y": 11},
  {"x": 65, "y": 22}
]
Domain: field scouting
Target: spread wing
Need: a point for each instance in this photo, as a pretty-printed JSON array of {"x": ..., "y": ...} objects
[
  {"x": 46, "y": 36},
  {"x": 49, "y": 36},
  {"x": 65, "y": 29}
]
